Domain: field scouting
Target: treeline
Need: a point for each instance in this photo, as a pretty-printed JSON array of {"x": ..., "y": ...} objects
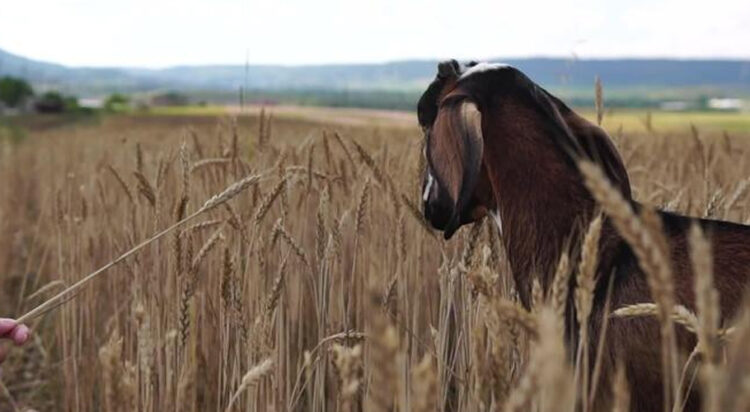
[{"x": 16, "y": 94}]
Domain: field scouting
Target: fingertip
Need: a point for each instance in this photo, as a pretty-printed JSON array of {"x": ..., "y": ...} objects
[{"x": 20, "y": 334}]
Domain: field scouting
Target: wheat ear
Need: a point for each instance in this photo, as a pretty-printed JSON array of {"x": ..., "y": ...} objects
[
  {"x": 69, "y": 292},
  {"x": 251, "y": 378}
]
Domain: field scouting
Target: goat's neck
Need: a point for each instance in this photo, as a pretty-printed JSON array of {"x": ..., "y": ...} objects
[{"x": 541, "y": 201}]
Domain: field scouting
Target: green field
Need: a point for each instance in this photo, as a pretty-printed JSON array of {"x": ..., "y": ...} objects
[{"x": 637, "y": 120}]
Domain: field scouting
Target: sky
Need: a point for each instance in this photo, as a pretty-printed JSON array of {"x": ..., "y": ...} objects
[{"x": 162, "y": 33}]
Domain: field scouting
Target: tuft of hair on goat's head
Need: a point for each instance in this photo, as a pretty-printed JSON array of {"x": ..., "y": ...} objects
[{"x": 447, "y": 74}]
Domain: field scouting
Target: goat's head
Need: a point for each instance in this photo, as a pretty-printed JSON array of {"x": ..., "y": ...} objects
[
  {"x": 456, "y": 188},
  {"x": 467, "y": 114}
]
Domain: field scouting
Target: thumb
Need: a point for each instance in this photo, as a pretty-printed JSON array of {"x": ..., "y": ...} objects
[
  {"x": 6, "y": 325},
  {"x": 11, "y": 329}
]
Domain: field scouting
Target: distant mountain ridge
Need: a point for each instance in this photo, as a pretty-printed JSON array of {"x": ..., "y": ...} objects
[{"x": 401, "y": 76}]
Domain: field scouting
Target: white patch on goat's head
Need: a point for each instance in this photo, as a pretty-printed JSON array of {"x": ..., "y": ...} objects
[
  {"x": 498, "y": 221},
  {"x": 428, "y": 187},
  {"x": 483, "y": 67}
]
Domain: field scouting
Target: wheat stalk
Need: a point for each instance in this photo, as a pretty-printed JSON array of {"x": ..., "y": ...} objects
[
  {"x": 620, "y": 390},
  {"x": 265, "y": 204},
  {"x": 348, "y": 363},
  {"x": 251, "y": 378},
  {"x": 679, "y": 314},
  {"x": 706, "y": 296},
  {"x": 560, "y": 286},
  {"x": 584, "y": 295},
  {"x": 649, "y": 245},
  {"x": 425, "y": 385},
  {"x": 599, "y": 100}
]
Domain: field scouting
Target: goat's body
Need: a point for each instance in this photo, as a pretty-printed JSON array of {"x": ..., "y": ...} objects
[
  {"x": 635, "y": 342},
  {"x": 519, "y": 159}
]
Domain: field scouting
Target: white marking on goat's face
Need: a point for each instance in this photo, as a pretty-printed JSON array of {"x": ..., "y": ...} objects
[
  {"x": 483, "y": 67},
  {"x": 428, "y": 187},
  {"x": 498, "y": 221}
]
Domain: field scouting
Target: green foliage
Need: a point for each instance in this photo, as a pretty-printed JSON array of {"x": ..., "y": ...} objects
[
  {"x": 14, "y": 91},
  {"x": 170, "y": 98},
  {"x": 71, "y": 104},
  {"x": 50, "y": 102},
  {"x": 116, "y": 102},
  {"x": 55, "y": 102}
]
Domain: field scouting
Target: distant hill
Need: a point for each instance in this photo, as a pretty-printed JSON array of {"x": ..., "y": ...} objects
[{"x": 572, "y": 78}]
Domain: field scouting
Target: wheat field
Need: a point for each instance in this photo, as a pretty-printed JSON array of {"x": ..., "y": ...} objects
[{"x": 316, "y": 288}]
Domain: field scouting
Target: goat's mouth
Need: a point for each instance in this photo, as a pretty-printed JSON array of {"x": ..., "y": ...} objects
[
  {"x": 442, "y": 217},
  {"x": 438, "y": 215}
]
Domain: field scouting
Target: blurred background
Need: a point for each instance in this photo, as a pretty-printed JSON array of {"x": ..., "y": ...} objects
[{"x": 663, "y": 55}]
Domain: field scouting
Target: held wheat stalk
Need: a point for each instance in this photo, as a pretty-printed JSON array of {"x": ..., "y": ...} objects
[
  {"x": 251, "y": 378},
  {"x": 59, "y": 299}
]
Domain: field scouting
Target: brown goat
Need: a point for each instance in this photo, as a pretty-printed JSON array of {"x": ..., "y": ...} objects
[{"x": 499, "y": 144}]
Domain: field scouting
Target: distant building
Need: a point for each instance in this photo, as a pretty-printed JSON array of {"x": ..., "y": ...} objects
[
  {"x": 725, "y": 104},
  {"x": 91, "y": 102}
]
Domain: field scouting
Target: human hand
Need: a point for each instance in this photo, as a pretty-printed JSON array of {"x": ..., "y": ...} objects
[{"x": 10, "y": 329}]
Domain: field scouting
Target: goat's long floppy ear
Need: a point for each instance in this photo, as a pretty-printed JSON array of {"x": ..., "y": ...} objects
[{"x": 454, "y": 151}]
